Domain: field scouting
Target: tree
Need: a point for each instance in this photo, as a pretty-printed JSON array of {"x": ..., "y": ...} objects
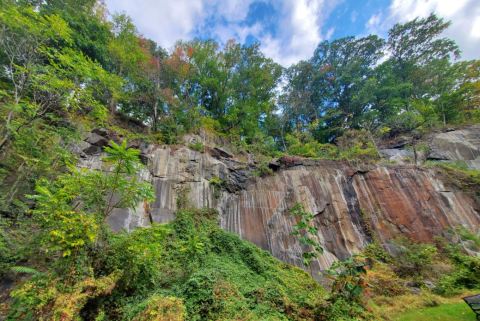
[
  {"x": 72, "y": 209},
  {"x": 91, "y": 31},
  {"x": 298, "y": 107},
  {"x": 419, "y": 54},
  {"x": 45, "y": 75},
  {"x": 334, "y": 88},
  {"x": 24, "y": 35},
  {"x": 417, "y": 42}
]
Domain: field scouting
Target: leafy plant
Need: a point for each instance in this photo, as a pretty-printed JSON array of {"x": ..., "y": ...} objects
[
  {"x": 217, "y": 184},
  {"x": 71, "y": 209},
  {"x": 197, "y": 146},
  {"x": 414, "y": 259},
  {"x": 306, "y": 232}
]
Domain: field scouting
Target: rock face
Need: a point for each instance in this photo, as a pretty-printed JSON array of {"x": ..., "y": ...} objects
[
  {"x": 453, "y": 145},
  {"x": 463, "y": 145},
  {"x": 351, "y": 205}
]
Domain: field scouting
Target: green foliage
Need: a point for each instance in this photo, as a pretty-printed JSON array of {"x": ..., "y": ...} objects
[
  {"x": 445, "y": 312},
  {"x": 302, "y": 145},
  {"x": 71, "y": 209},
  {"x": 15, "y": 245},
  {"x": 458, "y": 174},
  {"x": 24, "y": 270},
  {"x": 375, "y": 251},
  {"x": 346, "y": 301},
  {"x": 466, "y": 273},
  {"x": 357, "y": 145},
  {"x": 383, "y": 281},
  {"x": 197, "y": 146},
  {"x": 64, "y": 229},
  {"x": 225, "y": 278},
  {"x": 353, "y": 145},
  {"x": 63, "y": 64},
  {"x": 262, "y": 170},
  {"x": 46, "y": 298},
  {"x": 140, "y": 255},
  {"x": 349, "y": 278},
  {"x": 306, "y": 232},
  {"x": 158, "y": 308},
  {"x": 217, "y": 184},
  {"x": 414, "y": 259}
]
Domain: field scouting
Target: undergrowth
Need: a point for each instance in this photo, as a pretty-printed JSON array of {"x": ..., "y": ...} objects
[{"x": 188, "y": 268}]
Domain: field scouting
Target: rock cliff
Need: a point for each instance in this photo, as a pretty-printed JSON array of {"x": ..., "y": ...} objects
[{"x": 352, "y": 205}]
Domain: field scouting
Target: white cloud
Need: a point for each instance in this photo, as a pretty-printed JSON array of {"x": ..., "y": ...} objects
[
  {"x": 475, "y": 31},
  {"x": 329, "y": 33},
  {"x": 353, "y": 16},
  {"x": 167, "y": 21},
  {"x": 163, "y": 21},
  {"x": 464, "y": 15},
  {"x": 374, "y": 23},
  {"x": 299, "y": 30}
]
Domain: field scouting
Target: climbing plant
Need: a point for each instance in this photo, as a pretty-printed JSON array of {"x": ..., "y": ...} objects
[{"x": 306, "y": 231}]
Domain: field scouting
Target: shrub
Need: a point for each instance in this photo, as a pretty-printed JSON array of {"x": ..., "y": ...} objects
[
  {"x": 466, "y": 273},
  {"x": 262, "y": 170},
  {"x": 140, "y": 255},
  {"x": 217, "y": 184},
  {"x": 383, "y": 281},
  {"x": 197, "y": 146},
  {"x": 159, "y": 308},
  {"x": 48, "y": 299},
  {"x": 342, "y": 309},
  {"x": 306, "y": 232},
  {"x": 357, "y": 145},
  {"x": 306, "y": 146},
  {"x": 414, "y": 259},
  {"x": 376, "y": 252}
]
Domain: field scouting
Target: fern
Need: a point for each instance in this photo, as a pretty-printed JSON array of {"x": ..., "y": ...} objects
[{"x": 25, "y": 270}]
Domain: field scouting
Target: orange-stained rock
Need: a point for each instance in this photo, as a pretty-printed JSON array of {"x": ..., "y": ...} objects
[{"x": 351, "y": 205}]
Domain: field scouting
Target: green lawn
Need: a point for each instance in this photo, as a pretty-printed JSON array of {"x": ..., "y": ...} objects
[{"x": 444, "y": 312}]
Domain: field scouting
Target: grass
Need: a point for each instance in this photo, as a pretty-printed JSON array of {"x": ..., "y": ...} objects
[{"x": 445, "y": 312}]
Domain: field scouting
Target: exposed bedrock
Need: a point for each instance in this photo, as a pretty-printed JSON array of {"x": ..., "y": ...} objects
[{"x": 351, "y": 205}]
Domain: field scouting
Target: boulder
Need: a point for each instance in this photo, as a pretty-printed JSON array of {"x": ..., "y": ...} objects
[
  {"x": 218, "y": 152},
  {"x": 400, "y": 156},
  {"x": 96, "y": 140},
  {"x": 457, "y": 145}
]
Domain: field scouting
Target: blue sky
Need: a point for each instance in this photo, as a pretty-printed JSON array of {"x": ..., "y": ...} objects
[{"x": 289, "y": 30}]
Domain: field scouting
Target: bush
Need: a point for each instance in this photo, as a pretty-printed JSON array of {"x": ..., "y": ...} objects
[
  {"x": 383, "y": 281},
  {"x": 466, "y": 273},
  {"x": 414, "y": 259},
  {"x": 217, "y": 184},
  {"x": 197, "y": 146},
  {"x": 159, "y": 308},
  {"x": 306, "y": 146},
  {"x": 342, "y": 309},
  {"x": 189, "y": 267},
  {"x": 263, "y": 170},
  {"x": 140, "y": 255},
  {"x": 357, "y": 145},
  {"x": 44, "y": 298},
  {"x": 374, "y": 251}
]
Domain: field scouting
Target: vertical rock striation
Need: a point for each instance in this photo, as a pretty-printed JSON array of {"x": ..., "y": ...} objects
[{"x": 352, "y": 206}]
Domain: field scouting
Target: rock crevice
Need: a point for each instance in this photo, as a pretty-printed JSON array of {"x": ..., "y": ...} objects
[{"x": 352, "y": 205}]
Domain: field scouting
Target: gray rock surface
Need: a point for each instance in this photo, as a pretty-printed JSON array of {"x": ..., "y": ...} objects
[
  {"x": 457, "y": 145},
  {"x": 351, "y": 205},
  {"x": 400, "y": 156}
]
